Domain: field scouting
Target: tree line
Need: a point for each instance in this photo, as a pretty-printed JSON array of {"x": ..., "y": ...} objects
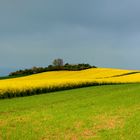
[{"x": 57, "y": 65}]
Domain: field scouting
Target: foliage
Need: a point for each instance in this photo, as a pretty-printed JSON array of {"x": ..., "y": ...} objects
[
  {"x": 57, "y": 65},
  {"x": 58, "y": 62}
]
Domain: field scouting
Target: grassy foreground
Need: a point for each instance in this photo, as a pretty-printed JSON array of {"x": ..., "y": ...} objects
[{"x": 110, "y": 112}]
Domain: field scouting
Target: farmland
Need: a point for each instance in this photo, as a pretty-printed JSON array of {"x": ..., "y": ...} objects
[
  {"x": 106, "y": 112},
  {"x": 94, "y": 113},
  {"x": 59, "y": 80}
]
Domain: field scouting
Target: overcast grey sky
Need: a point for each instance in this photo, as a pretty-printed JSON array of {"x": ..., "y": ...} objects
[{"x": 105, "y": 33}]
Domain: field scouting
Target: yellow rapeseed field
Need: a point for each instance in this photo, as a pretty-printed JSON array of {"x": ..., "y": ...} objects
[{"x": 65, "y": 79}]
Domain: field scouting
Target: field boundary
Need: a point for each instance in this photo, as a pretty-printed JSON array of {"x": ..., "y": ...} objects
[{"x": 42, "y": 90}]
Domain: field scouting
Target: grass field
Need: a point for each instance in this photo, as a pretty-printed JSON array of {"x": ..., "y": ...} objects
[{"x": 110, "y": 112}]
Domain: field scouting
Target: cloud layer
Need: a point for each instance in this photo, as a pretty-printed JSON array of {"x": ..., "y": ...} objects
[{"x": 105, "y": 33}]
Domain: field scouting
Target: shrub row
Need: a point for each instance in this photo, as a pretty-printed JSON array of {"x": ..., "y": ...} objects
[{"x": 35, "y": 70}]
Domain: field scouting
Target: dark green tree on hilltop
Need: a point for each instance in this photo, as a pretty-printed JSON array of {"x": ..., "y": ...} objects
[{"x": 58, "y": 62}]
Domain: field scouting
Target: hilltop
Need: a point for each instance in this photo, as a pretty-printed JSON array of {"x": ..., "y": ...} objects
[{"x": 60, "y": 80}]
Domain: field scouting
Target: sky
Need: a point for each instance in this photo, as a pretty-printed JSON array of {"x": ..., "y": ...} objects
[{"x": 105, "y": 33}]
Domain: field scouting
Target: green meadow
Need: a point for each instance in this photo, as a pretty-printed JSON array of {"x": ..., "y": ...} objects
[{"x": 109, "y": 112}]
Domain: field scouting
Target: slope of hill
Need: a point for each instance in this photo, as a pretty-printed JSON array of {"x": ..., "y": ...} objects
[
  {"x": 57, "y": 80},
  {"x": 109, "y": 112}
]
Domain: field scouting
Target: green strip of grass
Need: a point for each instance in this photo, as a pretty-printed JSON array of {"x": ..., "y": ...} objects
[{"x": 110, "y": 112}]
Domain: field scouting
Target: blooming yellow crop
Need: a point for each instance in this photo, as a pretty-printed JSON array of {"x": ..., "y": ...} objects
[{"x": 65, "y": 79}]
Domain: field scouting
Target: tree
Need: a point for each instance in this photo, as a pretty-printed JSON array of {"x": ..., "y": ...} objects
[{"x": 58, "y": 62}]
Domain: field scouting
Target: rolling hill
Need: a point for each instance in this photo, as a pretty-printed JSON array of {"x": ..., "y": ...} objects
[{"x": 58, "y": 80}]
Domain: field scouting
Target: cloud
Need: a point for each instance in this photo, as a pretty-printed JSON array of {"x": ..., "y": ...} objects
[{"x": 101, "y": 32}]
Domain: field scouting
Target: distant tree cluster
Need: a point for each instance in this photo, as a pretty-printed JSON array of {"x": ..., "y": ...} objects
[{"x": 57, "y": 64}]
